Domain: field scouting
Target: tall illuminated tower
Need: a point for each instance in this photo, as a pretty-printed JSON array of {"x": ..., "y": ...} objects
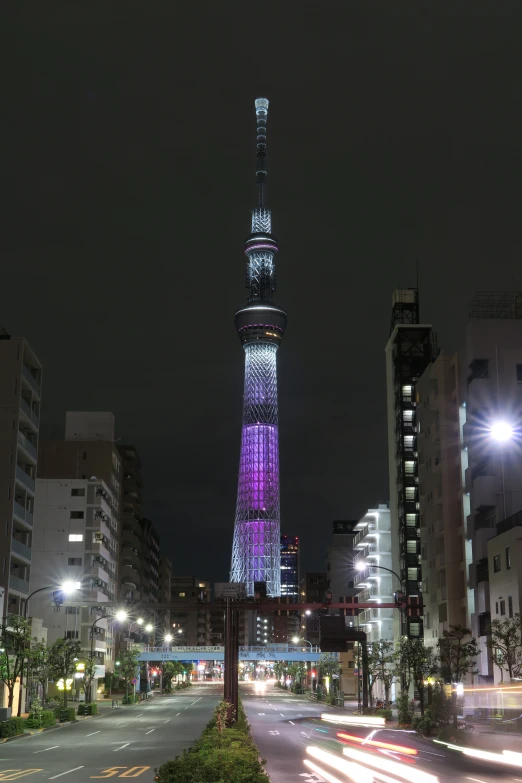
[{"x": 260, "y": 325}]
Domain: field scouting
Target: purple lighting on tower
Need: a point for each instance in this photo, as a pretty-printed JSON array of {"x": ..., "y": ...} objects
[{"x": 260, "y": 325}]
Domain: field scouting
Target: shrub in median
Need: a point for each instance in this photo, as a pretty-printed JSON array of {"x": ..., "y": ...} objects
[
  {"x": 386, "y": 714},
  {"x": 11, "y": 727},
  {"x": 226, "y": 754},
  {"x": 87, "y": 709}
]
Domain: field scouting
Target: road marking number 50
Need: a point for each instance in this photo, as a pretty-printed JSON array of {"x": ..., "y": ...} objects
[
  {"x": 131, "y": 772},
  {"x": 16, "y": 774}
]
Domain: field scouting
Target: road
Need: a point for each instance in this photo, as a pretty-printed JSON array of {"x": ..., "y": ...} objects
[
  {"x": 284, "y": 726},
  {"x": 128, "y": 743}
]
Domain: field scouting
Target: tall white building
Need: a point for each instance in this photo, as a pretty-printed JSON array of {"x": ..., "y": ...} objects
[
  {"x": 373, "y": 547},
  {"x": 77, "y": 539}
]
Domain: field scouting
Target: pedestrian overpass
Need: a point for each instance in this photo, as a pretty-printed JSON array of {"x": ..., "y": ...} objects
[{"x": 273, "y": 652}]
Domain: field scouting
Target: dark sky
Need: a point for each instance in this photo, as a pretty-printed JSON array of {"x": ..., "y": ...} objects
[{"x": 395, "y": 132}]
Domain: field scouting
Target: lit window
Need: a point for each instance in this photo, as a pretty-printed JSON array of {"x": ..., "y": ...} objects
[
  {"x": 182, "y": 595},
  {"x": 508, "y": 558},
  {"x": 75, "y": 536}
]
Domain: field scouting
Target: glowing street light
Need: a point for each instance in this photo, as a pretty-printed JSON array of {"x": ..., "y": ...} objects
[
  {"x": 121, "y": 616},
  {"x": 168, "y": 638},
  {"x": 149, "y": 628},
  {"x": 501, "y": 431},
  {"x": 140, "y": 621}
]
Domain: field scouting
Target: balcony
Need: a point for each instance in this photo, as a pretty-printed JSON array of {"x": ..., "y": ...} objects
[
  {"x": 30, "y": 378},
  {"x": 26, "y": 445},
  {"x": 20, "y": 585},
  {"x": 25, "y": 479},
  {"x": 21, "y": 549},
  {"x": 22, "y": 513},
  {"x": 30, "y": 414}
]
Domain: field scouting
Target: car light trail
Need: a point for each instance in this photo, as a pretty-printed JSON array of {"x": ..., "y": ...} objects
[
  {"x": 354, "y": 720},
  {"x": 321, "y": 772},
  {"x": 354, "y": 771},
  {"x": 377, "y": 744},
  {"x": 413, "y": 775}
]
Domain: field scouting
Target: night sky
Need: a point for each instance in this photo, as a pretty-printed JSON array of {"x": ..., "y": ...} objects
[{"x": 395, "y": 133}]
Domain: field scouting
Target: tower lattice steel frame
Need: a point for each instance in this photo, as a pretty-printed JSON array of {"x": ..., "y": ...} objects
[{"x": 260, "y": 325}]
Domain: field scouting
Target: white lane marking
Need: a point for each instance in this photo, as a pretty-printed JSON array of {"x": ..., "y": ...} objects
[
  {"x": 120, "y": 721},
  {"x": 281, "y": 714},
  {"x": 93, "y": 733},
  {"x": 299, "y": 715},
  {"x": 477, "y": 780},
  {"x": 291, "y": 721},
  {"x": 65, "y": 773},
  {"x": 166, "y": 721},
  {"x": 190, "y": 705},
  {"x": 261, "y": 713},
  {"x": 149, "y": 732},
  {"x": 140, "y": 714},
  {"x": 178, "y": 713},
  {"x": 273, "y": 732},
  {"x": 43, "y": 751},
  {"x": 122, "y": 746}
]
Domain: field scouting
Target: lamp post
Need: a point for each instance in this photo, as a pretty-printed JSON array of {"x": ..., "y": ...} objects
[
  {"x": 120, "y": 616},
  {"x": 502, "y": 432},
  {"x": 296, "y": 640},
  {"x": 362, "y": 566},
  {"x": 66, "y": 587}
]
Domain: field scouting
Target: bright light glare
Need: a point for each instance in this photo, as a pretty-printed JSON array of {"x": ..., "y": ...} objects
[
  {"x": 360, "y": 565},
  {"x": 149, "y": 628},
  {"x": 308, "y": 611},
  {"x": 168, "y": 637},
  {"x": 507, "y": 756},
  {"x": 140, "y": 620},
  {"x": 321, "y": 772},
  {"x": 121, "y": 616},
  {"x": 501, "y": 431},
  {"x": 376, "y": 744},
  {"x": 411, "y": 774},
  {"x": 69, "y": 586},
  {"x": 180, "y": 631},
  {"x": 295, "y": 639},
  {"x": 353, "y": 771},
  {"x": 260, "y": 686},
  {"x": 354, "y": 720}
]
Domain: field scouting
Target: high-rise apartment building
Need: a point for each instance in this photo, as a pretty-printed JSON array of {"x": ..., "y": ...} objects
[
  {"x": 290, "y": 566},
  {"x": 76, "y": 539},
  {"x": 20, "y": 398},
  {"x": 165, "y": 577},
  {"x": 373, "y": 554},
  {"x": 190, "y": 617},
  {"x": 260, "y": 325},
  {"x": 409, "y": 350},
  {"x": 313, "y": 588},
  {"x": 492, "y": 394},
  {"x": 341, "y": 557},
  {"x": 445, "y": 545}
]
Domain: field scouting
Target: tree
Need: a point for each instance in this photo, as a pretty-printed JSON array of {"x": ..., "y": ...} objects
[
  {"x": 38, "y": 666},
  {"x": 297, "y": 671},
  {"x": 129, "y": 667},
  {"x": 328, "y": 665},
  {"x": 384, "y": 656},
  {"x": 506, "y": 643},
  {"x": 280, "y": 669},
  {"x": 371, "y": 662},
  {"x": 14, "y": 641},
  {"x": 188, "y": 666},
  {"x": 457, "y": 658},
  {"x": 403, "y": 669},
  {"x": 423, "y": 664},
  {"x": 89, "y": 673},
  {"x": 63, "y": 657}
]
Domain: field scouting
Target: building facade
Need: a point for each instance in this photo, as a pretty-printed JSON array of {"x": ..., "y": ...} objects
[
  {"x": 492, "y": 380},
  {"x": 341, "y": 556},
  {"x": 409, "y": 350},
  {"x": 260, "y": 325},
  {"x": 444, "y": 539},
  {"x": 372, "y": 544},
  {"x": 190, "y": 618},
  {"x": 313, "y": 588},
  {"x": 290, "y": 566},
  {"x": 76, "y": 540},
  {"x": 20, "y": 400}
]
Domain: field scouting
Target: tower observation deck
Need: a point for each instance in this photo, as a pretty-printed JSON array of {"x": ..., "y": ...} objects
[{"x": 260, "y": 325}]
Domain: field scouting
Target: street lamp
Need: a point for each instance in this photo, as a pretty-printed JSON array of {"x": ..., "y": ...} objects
[
  {"x": 168, "y": 638},
  {"x": 296, "y": 640},
  {"x": 502, "y": 432},
  {"x": 66, "y": 587},
  {"x": 361, "y": 565},
  {"x": 120, "y": 616}
]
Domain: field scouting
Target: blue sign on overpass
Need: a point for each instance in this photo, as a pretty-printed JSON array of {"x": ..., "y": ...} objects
[{"x": 274, "y": 652}]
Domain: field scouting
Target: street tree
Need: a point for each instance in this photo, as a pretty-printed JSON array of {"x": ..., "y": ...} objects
[
  {"x": 328, "y": 665},
  {"x": 403, "y": 663},
  {"x": 129, "y": 667},
  {"x": 38, "y": 666},
  {"x": 423, "y": 664},
  {"x": 372, "y": 662},
  {"x": 506, "y": 642},
  {"x": 89, "y": 674},
  {"x": 384, "y": 660},
  {"x": 458, "y": 652},
  {"x": 15, "y": 638},
  {"x": 64, "y": 654},
  {"x": 280, "y": 669}
]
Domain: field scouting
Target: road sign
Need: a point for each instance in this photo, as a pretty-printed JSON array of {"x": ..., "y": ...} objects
[
  {"x": 230, "y": 590},
  {"x": 134, "y": 681}
]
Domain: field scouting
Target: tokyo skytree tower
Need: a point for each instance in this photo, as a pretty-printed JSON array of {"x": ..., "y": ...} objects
[{"x": 260, "y": 326}]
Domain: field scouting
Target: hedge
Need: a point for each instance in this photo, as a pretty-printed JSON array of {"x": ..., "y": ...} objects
[
  {"x": 46, "y": 719},
  {"x": 11, "y": 727},
  {"x": 65, "y": 714},
  {"x": 229, "y": 755},
  {"x": 88, "y": 709},
  {"x": 131, "y": 699}
]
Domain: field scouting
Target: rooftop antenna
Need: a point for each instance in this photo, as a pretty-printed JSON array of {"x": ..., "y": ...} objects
[{"x": 261, "y": 117}]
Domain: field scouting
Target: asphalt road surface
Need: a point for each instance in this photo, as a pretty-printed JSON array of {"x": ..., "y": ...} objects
[
  {"x": 284, "y": 726},
  {"x": 124, "y": 744}
]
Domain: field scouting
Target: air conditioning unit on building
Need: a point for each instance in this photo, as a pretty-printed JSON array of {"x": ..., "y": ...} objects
[{"x": 98, "y": 536}]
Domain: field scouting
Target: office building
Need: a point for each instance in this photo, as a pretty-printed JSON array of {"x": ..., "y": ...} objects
[
  {"x": 375, "y": 584},
  {"x": 409, "y": 350},
  {"x": 313, "y": 588},
  {"x": 260, "y": 325},
  {"x": 290, "y": 567},
  {"x": 492, "y": 386},
  {"x": 190, "y": 618},
  {"x": 76, "y": 539},
  {"x": 340, "y": 570},
  {"x": 20, "y": 399},
  {"x": 444, "y": 540}
]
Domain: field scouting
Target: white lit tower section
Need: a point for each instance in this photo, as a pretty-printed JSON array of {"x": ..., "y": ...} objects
[{"x": 260, "y": 325}]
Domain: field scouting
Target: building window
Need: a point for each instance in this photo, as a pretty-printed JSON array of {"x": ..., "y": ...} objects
[
  {"x": 496, "y": 607},
  {"x": 74, "y": 561},
  {"x": 508, "y": 557},
  {"x": 496, "y": 564},
  {"x": 502, "y": 608},
  {"x": 71, "y": 634},
  {"x": 78, "y": 492},
  {"x": 510, "y": 605},
  {"x": 75, "y": 536},
  {"x": 484, "y": 620},
  {"x": 519, "y": 373},
  {"x": 72, "y": 610},
  {"x": 77, "y": 514},
  {"x": 182, "y": 595}
]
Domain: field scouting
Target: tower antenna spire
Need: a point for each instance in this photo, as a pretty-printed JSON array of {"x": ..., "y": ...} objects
[{"x": 261, "y": 116}]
